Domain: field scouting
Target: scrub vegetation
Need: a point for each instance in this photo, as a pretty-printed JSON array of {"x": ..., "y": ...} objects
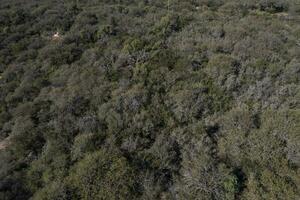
[{"x": 150, "y": 99}]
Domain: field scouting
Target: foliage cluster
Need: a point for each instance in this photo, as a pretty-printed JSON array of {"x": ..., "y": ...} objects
[{"x": 193, "y": 99}]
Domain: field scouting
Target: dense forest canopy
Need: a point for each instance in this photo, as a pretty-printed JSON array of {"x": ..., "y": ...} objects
[{"x": 150, "y": 99}]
